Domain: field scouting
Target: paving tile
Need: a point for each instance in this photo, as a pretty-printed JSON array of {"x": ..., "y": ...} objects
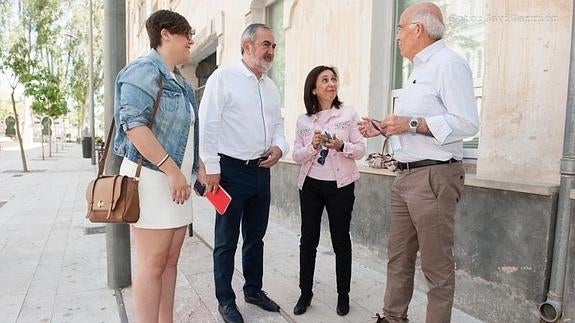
[
  {"x": 37, "y": 310},
  {"x": 10, "y": 306},
  {"x": 54, "y": 272},
  {"x": 43, "y": 287},
  {"x": 14, "y": 285},
  {"x": 97, "y": 306},
  {"x": 50, "y": 270}
]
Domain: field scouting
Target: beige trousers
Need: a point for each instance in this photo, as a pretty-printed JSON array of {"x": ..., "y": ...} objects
[{"x": 423, "y": 203}]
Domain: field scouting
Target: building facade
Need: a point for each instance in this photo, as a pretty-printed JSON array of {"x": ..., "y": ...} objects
[{"x": 519, "y": 54}]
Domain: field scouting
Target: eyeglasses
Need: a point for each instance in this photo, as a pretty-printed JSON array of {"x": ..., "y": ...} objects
[
  {"x": 190, "y": 33},
  {"x": 399, "y": 27},
  {"x": 322, "y": 156}
]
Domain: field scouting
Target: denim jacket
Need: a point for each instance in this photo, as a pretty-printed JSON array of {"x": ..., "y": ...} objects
[{"x": 136, "y": 90}]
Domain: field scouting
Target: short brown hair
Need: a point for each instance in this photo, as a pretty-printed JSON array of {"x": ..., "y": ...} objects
[
  {"x": 310, "y": 99},
  {"x": 165, "y": 19}
]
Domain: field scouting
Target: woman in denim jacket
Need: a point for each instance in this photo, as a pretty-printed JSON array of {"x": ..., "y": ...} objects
[
  {"x": 327, "y": 143},
  {"x": 169, "y": 154}
]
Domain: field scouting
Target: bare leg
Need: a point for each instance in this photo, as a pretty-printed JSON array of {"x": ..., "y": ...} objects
[
  {"x": 169, "y": 277},
  {"x": 152, "y": 250}
]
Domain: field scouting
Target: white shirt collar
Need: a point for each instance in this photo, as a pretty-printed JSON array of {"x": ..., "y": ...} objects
[
  {"x": 428, "y": 51},
  {"x": 247, "y": 72}
]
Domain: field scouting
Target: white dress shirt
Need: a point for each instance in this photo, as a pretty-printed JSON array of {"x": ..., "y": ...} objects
[
  {"x": 240, "y": 116},
  {"x": 440, "y": 89}
]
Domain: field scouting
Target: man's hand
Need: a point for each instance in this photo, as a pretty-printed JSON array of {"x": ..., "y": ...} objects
[
  {"x": 212, "y": 182},
  {"x": 366, "y": 128},
  {"x": 395, "y": 125},
  {"x": 273, "y": 154}
]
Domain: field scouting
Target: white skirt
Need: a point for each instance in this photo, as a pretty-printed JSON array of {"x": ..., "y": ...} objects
[{"x": 157, "y": 210}]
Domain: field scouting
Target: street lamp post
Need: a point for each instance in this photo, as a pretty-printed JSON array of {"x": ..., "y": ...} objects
[{"x": 91, "y": 88}]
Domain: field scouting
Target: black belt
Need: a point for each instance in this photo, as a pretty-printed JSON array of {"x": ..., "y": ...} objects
[
  {"x": 250, "y": 162},
  {"x": 425, "y": 162}
]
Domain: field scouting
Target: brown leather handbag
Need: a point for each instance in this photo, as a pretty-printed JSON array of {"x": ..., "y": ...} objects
[{"x": 114, "y": 198}]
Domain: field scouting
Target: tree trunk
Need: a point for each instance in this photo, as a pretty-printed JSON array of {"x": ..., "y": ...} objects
[{"x": 24, "y": 165}]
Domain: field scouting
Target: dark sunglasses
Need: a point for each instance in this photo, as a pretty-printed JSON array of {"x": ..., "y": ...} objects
[{"x": 322, "y": 156}]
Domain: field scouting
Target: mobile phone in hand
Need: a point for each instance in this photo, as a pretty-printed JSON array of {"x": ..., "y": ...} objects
[
  {"x": 375, "y": 124},
  {"x": 199, "y": 188}
]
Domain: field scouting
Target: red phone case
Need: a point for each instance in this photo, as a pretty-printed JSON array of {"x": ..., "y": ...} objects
[{"x": 220, "y": 200}]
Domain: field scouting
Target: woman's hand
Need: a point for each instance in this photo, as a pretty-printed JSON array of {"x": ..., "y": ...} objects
[
  {"x": 179, "y": 187},
  {"x": 334, "y": 143},
  {"x": 316, "y": 139}
]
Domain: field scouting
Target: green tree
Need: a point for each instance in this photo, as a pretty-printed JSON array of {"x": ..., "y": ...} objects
[
  {"x": 13, "y": 81},
  {"x": 7, "y": 63},
  {"x": 51, "y": 67},
  {"x": 77, "y": 80},
  {"x": 36, "y": 49}
]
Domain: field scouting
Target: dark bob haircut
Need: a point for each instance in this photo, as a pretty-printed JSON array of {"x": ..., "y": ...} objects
[
  {"x": 310, "y": 99},
  {"x": 165, "y": 19}
]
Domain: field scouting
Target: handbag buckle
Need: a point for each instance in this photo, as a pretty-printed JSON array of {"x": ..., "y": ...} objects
[{"x": 100, "y": 203}]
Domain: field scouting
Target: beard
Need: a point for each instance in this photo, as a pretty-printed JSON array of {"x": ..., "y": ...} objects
[{"x": 263, "y": 64}]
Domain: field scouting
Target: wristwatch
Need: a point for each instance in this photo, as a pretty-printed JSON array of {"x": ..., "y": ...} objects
[{"x": 413, "y": 124}]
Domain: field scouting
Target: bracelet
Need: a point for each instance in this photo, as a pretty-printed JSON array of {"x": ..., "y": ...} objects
[{"x": 163, "y": 160}]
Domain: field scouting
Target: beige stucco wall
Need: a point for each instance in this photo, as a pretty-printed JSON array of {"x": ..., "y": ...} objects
[
  {"x": 525, "y": 91},
  {"x": 338, "y": 34},
  {"x": 524, "y": 87}
]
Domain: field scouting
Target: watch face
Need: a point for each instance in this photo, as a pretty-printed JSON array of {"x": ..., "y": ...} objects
[{"x": 413, "y": 123}]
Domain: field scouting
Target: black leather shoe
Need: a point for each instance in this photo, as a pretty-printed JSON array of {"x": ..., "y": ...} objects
[
  {"x": 342, "y": 304},
  {"x": 302, "y": 303},
  {"x": 230, "y": 313},
  {"x": 263, "y": 301}
]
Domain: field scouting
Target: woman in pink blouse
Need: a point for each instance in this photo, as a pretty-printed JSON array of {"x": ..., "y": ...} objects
[{"x": 327, "y": 143}]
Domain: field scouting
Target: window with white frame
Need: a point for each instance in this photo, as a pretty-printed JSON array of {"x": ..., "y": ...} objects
[
  {"x": 274, "y": 19},
  {"x": 465, "y": 34}
]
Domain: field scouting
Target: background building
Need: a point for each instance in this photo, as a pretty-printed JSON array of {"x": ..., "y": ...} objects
[{"x": 519, "y": 54}]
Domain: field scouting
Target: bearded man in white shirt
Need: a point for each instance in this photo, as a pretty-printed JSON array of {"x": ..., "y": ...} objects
[
  {"x": 434, "y": 113},
  {"x": 241, "y": 138}
]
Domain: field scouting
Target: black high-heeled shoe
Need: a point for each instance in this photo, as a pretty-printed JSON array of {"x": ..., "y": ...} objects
[
  {"x": 302, "y": 303},
  {"x": 342, "y": 304}
]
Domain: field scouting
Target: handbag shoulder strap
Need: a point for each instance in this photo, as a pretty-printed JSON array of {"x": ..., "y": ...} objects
[
  {"x": 385, "y": 146},
  {"x": 102, "y": 161}
]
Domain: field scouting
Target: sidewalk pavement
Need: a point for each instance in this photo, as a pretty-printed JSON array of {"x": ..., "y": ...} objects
[
  {"x": 51, "y": 270},
  {"x": 54, "y": 261}
]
